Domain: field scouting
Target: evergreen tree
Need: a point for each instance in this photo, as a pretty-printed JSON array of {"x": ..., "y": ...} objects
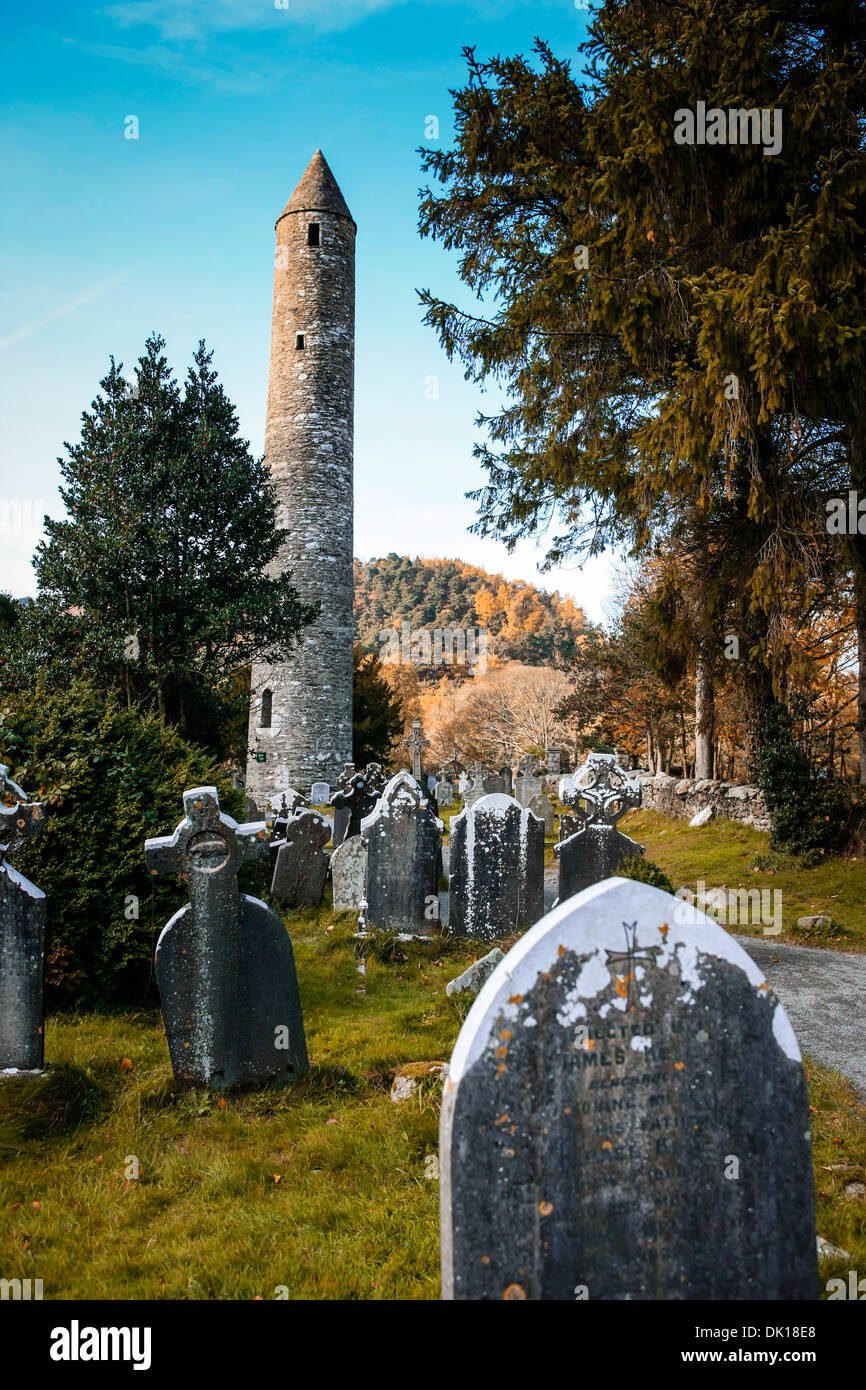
[
  {"x": 156, "y": 582},
  {"x": 651, "y": 296},
  {"x": 377, "y": 710}
]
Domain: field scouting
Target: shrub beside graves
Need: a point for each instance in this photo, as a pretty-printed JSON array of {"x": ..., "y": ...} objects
[
  {"x": 109, "y": 777},
  {"x": 810, "y": 813},
  {"x": 645, "y": 871}
]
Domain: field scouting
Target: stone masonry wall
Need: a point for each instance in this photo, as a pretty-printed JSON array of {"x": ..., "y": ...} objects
[
  {"x": 684, "y": 798},
  {"x": 308, "y": 450}
]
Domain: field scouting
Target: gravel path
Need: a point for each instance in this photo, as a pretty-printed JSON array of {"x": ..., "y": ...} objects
[{"x": 824, "y": 995}]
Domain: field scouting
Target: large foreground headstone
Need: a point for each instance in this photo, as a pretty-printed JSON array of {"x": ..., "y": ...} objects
[
  {"x": 404, "y": 840},
  {"x": 224, "y": 963},
  {"x": 349, "y": 874},
  {"x": 301, "y": 865},
  {"x": 626, "y": 1117},
  {"x": 497, "y": 868},
  {"x": 22, "y": 937}
]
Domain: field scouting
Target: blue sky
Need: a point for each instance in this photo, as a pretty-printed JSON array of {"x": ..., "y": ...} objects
[{"x": 106, "y": 238}]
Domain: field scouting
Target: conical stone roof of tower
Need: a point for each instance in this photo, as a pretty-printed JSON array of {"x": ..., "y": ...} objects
[{"x": 318, "y": 191}]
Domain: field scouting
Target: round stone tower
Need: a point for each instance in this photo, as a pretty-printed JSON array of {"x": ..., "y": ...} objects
[{"x": 301, "y": 711}]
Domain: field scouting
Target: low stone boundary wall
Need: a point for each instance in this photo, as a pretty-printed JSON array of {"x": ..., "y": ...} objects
[{"x": 685, "y": 798}]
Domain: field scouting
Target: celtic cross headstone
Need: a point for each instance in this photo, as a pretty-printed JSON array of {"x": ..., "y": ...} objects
[{"x": 224, "y": 962}]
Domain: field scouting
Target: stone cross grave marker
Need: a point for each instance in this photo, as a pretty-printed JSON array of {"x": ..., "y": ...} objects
[
  {"x": 301, "y": 865},
  {"x": 497, "y": 868},
  {"x": 599, "y": 793},
  {"x": 351, "y": 804},
  {"x": 626, "y": 1117},
  {"x": 416, "y": 743},
  {"x": 376, "y": 778},
  {"x": 404, "y": 841},
  {"x": 22, "y": 936},
  {"x": 349, "y": 874},
  {"x": 224, "y": 962}
]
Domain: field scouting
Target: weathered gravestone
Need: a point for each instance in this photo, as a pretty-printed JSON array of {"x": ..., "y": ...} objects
[
  {"x": 554, "y": 761},
  {"x": 527, "y": 784},
  {"x": 320, "y": 793},
  {"x": 497, "y": 868},
  {"x": 506, "y": 779},
  {"x": 375, "y": 778},
  {"x": 626, "y": 1117},
  {"x": 288, "y": 801},
  {"x": 224, "y": 963},
  {"x": 22, "y": 937},
  {"x": 301, "y": 865},
  {"x": 351, "y": 804},
  {"x": 598, "y": 794},
  {"x": 542, "y": 807},
  {"x": 464, "y": 782},
  {"x": 404, "y": 841},
  {"x": 474, "y": 788},
  {"x": 485, "y": 782},
  {"x": 444, "y": 794},
  {"x": 349, "y": 874}
]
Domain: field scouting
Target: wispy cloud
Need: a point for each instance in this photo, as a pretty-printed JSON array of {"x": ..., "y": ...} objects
[
  {"x": 27, "y": 329},
  {"x": 195, "y": 19}
]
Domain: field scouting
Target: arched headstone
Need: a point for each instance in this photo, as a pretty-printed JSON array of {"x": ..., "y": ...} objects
[
  {"x": 404, "y": 840},
  {"x": 224, "y": 962},
  {"x": 626, "y": 1117},
  {"x": 497, "y": 868}
]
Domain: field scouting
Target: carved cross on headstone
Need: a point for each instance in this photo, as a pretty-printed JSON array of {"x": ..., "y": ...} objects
[
  {"x": 224, "y": 962},
  {"x": 375, "y": 777},
  {"x": 527, "y": 765},
  {"x": 416, "y": 743},
  {"x": 631, "y": 956},
  {"x": 605, "y": 788},
  {"x": 207, "y": 849},
  {"x": 22, "y": 936},
  {"x": 351, "y": 805}
]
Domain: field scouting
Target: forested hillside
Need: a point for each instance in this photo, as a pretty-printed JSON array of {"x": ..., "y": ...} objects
[{"x": 525, "y": 624}]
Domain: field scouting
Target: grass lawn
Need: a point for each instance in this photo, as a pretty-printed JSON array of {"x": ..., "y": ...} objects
[
  {"x": 327, "y": 1190},
  {"x": 722, "y": 854}
]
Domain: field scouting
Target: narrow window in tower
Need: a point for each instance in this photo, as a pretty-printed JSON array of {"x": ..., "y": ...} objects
[
  {"x": 300, "y": 340},
  {"x": 313, "y": 234},
  {"x": 267, "y": 707}
]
